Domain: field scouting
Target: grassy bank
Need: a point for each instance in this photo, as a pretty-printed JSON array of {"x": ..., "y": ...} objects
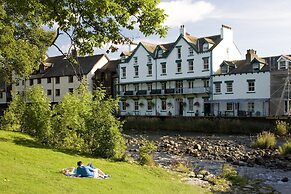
[
  {"x": 30, "y": 168},
  {"x": 204, "y": 125}
]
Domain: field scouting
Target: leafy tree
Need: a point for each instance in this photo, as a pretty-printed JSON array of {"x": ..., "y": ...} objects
[{"x": 88, "y": 24}]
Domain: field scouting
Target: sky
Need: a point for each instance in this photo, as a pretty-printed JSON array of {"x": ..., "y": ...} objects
[{"x": 263, "y": 25}]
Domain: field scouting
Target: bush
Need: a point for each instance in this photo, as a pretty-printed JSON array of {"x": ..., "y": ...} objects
[
  {"x": 230, "y": 174},
  {"x": 265, "y": 140},
  {"x": 146, "y": 154},
  {"x": 285, "y": 149},
  {"x": 281, "y": 128},
  {"x": 181, "y": 166}
]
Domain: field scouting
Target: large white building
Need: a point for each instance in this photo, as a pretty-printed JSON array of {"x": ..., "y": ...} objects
[
  {"x": 58, "y": 76},
  {"x": 173, "y": 78}
]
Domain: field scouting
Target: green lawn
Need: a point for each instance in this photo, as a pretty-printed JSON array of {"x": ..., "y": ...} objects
[{"x": 28, "y": 168}]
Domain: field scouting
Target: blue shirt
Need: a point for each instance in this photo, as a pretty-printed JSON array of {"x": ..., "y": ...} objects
[{"x": 85, "y": 171}]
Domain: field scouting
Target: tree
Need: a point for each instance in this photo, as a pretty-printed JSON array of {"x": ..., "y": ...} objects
[{"x": 88, "y": 23}]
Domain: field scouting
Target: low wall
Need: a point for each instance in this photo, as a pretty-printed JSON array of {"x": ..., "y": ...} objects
[{"x": 230, "y": 125}]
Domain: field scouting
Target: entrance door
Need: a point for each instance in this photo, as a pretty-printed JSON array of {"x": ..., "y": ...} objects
[
  {"x": 206, "y": 109},
  {"x": 180, "y": 108}
]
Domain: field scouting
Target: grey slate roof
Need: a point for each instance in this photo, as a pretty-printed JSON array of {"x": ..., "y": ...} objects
[
  {"x": 60, "y": 66},
  {"x": 111, "y": 65}
]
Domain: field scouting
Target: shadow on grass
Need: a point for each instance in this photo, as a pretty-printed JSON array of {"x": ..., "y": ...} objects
[
  {"x": 4, "y": 139},
  {"x": 33, "y": 144}
]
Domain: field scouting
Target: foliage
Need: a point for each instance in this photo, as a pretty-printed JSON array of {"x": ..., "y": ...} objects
[
  {"x": 230, "y": 174},
  {"x": 265, "y": 140},
  {"x": 35, "y": 171},
  {"x": 285, "y": 149},
  {"x": 12, "y": 118},
  {"x": 181, "y": 166},
  {"x": 37, "y": 115},
  {"x": 29, "y": 27},
  {"x": 83, "y": 122},
  {"x": 146, "y": 154},
  {"x": 281, "y": 128}
]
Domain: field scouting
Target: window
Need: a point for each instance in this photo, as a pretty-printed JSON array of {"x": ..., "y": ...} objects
[
  {"x": 135, "y": 71},
  {"x": 38, "y": 80},
  {"x": 251, "y": 106},
  {"x": 123, "y": 71},
  {"x": 49, "y": 92},
  {"x": 136, "y": 87},
  {"x": 164, "y": 70},
  {"x": 228, "y": 87},
  {"x": 1, "y": 95},
  {"x": 163, "y": 85},
  {"x": 179, "y": 52},
  {"x": 123, "y": 105},
  {"x": 191, "y": 104},
  {"x": 135, "y": 60},
  {"x": 58, "y": 92},
  {"x": 150, "y": 70},
  {"x": 191, "y": 66},
  {"x": 164, "y": 104},
  {"x": 179, "y": 86},
  {"x": 149, "y": 59},
  {"x": 71, "y": 79},
  {"x": 150, "y": 104},
  {"x": 224, "y": 69},
  {"x": 123, "y": 88},
  {"x": 71, "y": 90},
  {"x": 205, "y": 46},
  {"x": 57, "y": 80},
  {"x": 48, "y": 80},
  {"x": 190, "y": 49},
  {"x": 191, "y": 84},
  {"x": 217, "y": 87},
  {"x": 251, "y": 85},
  {"x": 179, "y": 67},
  {"x": 31, "y": 82},
  {"x": 150, "y": 87},
  {"x": 282, "y": 65},
  {"x": 136, "y": 105},
  {"x": 206, "y": 63},
  {"x": 229, "y": 106},
  {"x": 160, "y": 53},
  {"x": 206, "y": 83}
]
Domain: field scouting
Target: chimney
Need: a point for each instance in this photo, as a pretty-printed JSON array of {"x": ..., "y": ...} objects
[
  {"x": 226, "y": 32},
  {"x": 182, "y": 30},
  {"x": 251, "y": 54}
]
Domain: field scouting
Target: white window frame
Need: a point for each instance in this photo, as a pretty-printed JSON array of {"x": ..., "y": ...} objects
[
  {"x": 205, "y": 63},
  {"x": 229, "y": 86},
  {"x": 136, "y": 71},
  {"x": 191, "y": 51},
  {"x": 150, "y": 69},
  {"x": 217, "y": 86},
  {"x": 179, "y": 67},
  {"x": 251, "y": 85},
  {"x": 190, "y": 65}
]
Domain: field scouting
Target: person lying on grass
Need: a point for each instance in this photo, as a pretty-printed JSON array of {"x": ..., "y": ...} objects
[{"x": 89, "y": 171}]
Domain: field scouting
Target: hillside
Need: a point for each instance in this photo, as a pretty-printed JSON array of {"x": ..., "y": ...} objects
[{"x": 30, "y": 168}]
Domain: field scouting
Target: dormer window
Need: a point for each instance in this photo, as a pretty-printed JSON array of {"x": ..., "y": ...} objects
[
  {"x": 282, "y": 65},
  {"x": 224, "y": 69},
  {"x": 256, "y": 66},
  {"x": 122, "y": 58},
  {"x": 149, "y": 59},
  {"x": 191, "y": 53},
  {"x": 205, "y": 46},
  {"x": 160, "y": 53},
  {"x": 135, "y": 60}
]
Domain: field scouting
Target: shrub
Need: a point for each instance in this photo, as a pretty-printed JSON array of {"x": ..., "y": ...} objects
[
  {"x": 181, "y": 166},
  {"x": 281, "y": 128},
  {"x": 146, "y": 154},
  {"x": 230, "y": 174},
  {"x": 265, "y": 140},
  {"x": 285, "y": 149}
]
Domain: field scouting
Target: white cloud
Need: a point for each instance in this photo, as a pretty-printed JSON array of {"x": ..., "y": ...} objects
[{"x": 185, "y": 11}]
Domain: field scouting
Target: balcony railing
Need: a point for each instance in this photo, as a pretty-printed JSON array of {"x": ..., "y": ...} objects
[{"x": 168, "y": 91}]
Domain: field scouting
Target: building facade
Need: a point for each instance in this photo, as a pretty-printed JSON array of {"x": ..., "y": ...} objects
[
  {"x": 174, "y": 78},
  {"x": 242, "y": 87},
  {"x": 58, "y": 76}
]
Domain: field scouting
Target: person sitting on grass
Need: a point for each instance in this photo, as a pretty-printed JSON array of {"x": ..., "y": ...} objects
[{"x": 89, "y": 171}]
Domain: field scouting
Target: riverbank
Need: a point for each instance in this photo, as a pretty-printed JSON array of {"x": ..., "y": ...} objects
[{"x": 210, "y": 152}]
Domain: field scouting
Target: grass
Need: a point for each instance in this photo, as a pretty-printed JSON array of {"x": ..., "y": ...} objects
[
  {"x": 30, "y": 168},
  {"x": 281, "y": 128},
  {"x": 285, "y": 149},
  {"x": 265, "y": 140}
]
